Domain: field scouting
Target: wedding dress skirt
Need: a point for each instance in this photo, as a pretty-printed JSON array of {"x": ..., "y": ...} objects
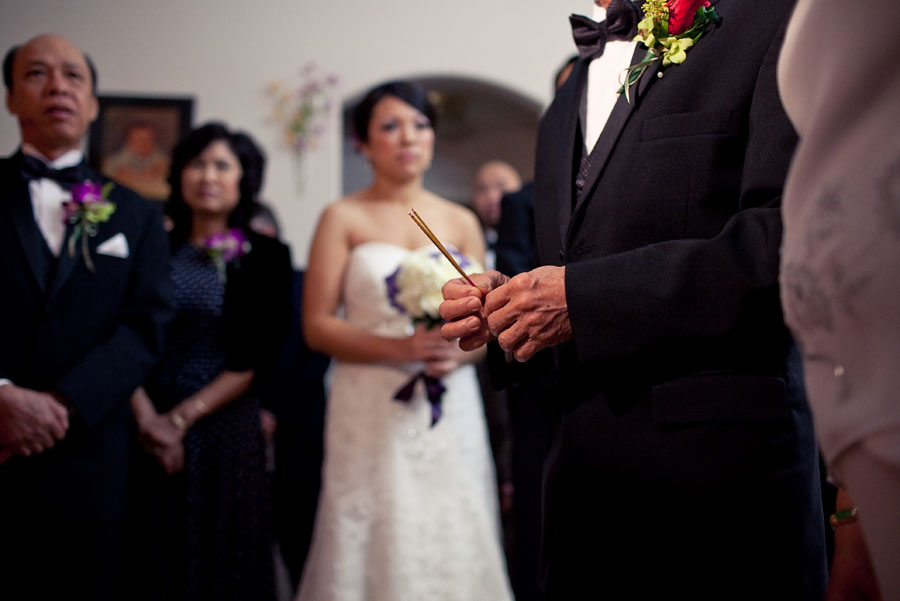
[{"x": 407, "y": 512}]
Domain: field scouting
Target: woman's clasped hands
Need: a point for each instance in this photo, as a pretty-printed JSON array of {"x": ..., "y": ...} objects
[
  {"x": 439, "y": 356},
  {"x": 158, "y": 435}
]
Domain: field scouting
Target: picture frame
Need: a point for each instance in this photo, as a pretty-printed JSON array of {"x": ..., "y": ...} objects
[{"x": 131, "y": 140}]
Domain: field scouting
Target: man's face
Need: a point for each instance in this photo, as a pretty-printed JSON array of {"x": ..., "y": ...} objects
[
  {"x": 52, "y": 95},
  {"x": 493, "y": 180}
]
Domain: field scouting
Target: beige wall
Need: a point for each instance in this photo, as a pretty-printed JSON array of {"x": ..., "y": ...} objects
[{"x": 224, "y": 53}]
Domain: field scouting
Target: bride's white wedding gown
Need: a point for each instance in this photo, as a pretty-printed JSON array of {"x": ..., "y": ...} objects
[{"x": 407, "y": 512}]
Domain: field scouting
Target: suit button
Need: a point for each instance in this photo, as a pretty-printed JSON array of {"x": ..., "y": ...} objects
[{"x": 579, "y": 183}]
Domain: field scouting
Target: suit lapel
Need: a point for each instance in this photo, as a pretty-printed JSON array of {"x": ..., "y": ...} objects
[
  {"x": 21, "y": 214},
  {"x": 610, "y": 135},
  {"x": 569, "y": 142},
  {"x": 67, "y": 260}
]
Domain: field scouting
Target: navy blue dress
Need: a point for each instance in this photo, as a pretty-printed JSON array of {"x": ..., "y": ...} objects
[{"x": 210, "y": 526}]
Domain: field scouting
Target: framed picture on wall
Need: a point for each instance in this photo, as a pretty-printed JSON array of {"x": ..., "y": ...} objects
[{"x": 132, "y": 139}]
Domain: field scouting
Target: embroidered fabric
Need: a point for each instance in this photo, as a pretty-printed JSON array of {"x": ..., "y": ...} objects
[{"x": 407, "y": 511}]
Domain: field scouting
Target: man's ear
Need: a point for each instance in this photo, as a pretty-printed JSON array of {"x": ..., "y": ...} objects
[
  {"x": 94, "y": 109},
  {"x": 10, "y": 102}
]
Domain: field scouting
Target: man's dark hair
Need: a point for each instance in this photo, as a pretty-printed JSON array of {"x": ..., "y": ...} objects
[
  {"x": 410, "y": 93},
  {"x": 10, "y": 58},
  {"x": 252, "y": 161}
]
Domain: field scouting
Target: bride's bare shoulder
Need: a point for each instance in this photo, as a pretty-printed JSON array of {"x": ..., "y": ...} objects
[{"x": 348, "y": 208}]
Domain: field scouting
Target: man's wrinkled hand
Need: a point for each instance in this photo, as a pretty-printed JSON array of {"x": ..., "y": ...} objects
[
  {"x": 30, "y": 421},
  {"x": 529, "y": 313},
  {"x": 463, "y": 309}
]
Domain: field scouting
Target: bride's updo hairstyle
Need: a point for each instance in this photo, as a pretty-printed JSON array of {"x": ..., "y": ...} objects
[{"x": 410, "y": 93}]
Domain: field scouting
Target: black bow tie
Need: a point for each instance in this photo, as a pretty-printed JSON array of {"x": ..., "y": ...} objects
[
  {"x": 622, "y": 18},
  {"x": 34, "y": 168}
]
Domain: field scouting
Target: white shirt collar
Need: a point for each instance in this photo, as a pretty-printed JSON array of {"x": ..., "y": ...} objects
[
  {"x": 599, "y": 14},
  {"x": 68, "y": 159}
]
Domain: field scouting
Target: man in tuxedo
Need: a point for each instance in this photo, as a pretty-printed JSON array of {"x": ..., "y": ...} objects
[
  {"x": 683, "y": 460},
  {"x": 81, "y": 326}
]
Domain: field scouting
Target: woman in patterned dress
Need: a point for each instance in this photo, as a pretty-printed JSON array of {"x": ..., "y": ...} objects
[{"x": 206, "y": 492}]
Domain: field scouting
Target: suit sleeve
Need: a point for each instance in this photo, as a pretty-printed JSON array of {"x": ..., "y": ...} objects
[
  {"x": 636, "y": 301},
  {"x": 110, "y": 372}
]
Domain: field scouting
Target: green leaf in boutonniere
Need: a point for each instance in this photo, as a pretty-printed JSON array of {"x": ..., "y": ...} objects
[
  {"x": 88, "y": 208},
  {"x": 668, "y": 30}
]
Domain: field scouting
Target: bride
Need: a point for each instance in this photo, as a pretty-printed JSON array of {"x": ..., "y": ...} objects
[{"x": 407, "y": 510}]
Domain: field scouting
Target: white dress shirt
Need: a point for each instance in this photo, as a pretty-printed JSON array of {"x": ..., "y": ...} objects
[
  {"x": 47, "y": 198},
  {"x": 606, "y": 74}
]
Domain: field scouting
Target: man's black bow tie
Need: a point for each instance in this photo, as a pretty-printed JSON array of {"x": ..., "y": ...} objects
[
  {"x": 34, "y": 168},
  {"x": 622, "y": 18}
]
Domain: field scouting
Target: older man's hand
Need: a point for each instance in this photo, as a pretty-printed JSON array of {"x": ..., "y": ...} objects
[
  {"x": 30, "y": 421},
  {"x": 463, "y": 309},
  {"x": 529, "y": 313}
]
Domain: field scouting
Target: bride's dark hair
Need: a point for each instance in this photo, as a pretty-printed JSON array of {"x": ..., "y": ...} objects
[{"x": 411, "y": 93}]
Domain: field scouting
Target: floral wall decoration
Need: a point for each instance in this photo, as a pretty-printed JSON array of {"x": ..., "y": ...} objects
[{"x": 302, "y": 112}]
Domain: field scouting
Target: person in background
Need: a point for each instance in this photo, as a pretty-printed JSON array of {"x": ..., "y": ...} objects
[
  {"x": 562, "y": 74},
  {"x": 492, "y": 180},
  {"x": 683, "y": 459},
  {"x": 83, "y": 312},
  {"x": 408, "y": 508},
  {"x": 840, "y": 270},
  {"x": 296, "y": 411},
  {"x": 206, "y": 496}
]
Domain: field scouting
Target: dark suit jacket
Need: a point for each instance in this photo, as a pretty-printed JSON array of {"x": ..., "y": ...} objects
[
  {"x": 298, "y": 401},
  {"x": 91, "y": 336},
  {"x": 515, "y": 232},
  {"x": 684, "y": 447}
]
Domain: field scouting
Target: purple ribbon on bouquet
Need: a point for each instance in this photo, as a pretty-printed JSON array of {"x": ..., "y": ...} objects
[{"x": 434, "y": 390}]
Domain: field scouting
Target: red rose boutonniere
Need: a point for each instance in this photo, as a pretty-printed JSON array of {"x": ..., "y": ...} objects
[
  {"x": 88, "y": 208},
  {"x": 668, "y": 29}
]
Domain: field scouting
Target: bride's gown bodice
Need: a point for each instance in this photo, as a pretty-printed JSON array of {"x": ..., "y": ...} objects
[{"x": 407, "y": 511}]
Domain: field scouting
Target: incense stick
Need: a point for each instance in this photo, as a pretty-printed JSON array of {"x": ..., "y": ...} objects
[{"x": 421, "y": 223}]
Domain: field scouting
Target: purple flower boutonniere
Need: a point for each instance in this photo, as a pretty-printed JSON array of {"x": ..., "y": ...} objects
[
  {"x": 668, "y": 30},
  {"x": 88, "y": 208},
  {"x": 225, "y": 247}
]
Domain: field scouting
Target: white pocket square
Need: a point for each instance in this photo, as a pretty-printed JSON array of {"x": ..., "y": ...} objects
[{"x": 117, "y": 246}]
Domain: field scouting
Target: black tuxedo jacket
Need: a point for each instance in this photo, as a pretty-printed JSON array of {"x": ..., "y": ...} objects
[
  {"x": 684, "y": 447},
  {"x": 92, "y": 337}
]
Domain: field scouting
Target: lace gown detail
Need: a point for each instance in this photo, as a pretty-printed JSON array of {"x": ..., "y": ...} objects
[{"x": 407, "y": 512}]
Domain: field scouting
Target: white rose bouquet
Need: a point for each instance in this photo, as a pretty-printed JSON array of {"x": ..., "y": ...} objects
[{"x": 415, "y": 287}]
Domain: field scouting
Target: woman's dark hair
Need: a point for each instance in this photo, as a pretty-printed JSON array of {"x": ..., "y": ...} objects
[
  {"x": 410, "y": 93},
  {"x": 253, "y": 163}
]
